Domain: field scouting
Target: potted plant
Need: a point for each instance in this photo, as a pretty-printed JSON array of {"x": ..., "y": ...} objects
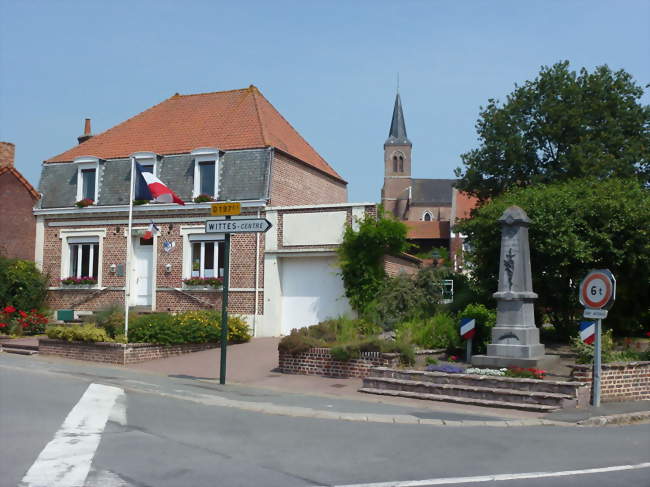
[
  {"x": 84, "y": 202},
  {"x": 203, "y": 283},
  {"x": 79, "y": 282},
  {"x": 203, "y": 198}
]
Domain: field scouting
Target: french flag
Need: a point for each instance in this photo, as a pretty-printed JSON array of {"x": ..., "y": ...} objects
[
  {"x": 149, "y": 187},
  {"x": 588, "y": 332}
]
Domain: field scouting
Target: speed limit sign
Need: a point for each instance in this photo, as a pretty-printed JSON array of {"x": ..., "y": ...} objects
[{"x": 598, "y": 289}]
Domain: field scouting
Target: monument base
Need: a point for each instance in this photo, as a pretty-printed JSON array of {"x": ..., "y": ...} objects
[{"x": 497, "y": 362}]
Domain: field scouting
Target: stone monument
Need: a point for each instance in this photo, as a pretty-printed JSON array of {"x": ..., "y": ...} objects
[{"x": 515, "y": 338}]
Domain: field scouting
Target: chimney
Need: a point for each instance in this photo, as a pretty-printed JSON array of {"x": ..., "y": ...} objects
[
  {"x": 87, "y": 134},
  {"x": 7, "y": 153}
]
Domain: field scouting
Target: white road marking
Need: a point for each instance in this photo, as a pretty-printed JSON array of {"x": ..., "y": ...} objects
[
  {"x": 492, "y": 478},
  {"x": 65, "y": 461}
]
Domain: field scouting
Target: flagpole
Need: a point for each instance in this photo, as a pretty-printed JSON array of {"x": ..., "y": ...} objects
[{"x": 127, "y": 273}]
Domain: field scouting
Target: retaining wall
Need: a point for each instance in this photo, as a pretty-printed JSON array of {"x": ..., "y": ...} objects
[
  {"x": 618, "y": 381},
  {"x": 319, "y": 361},
  {"x": 116, "y": 353}
]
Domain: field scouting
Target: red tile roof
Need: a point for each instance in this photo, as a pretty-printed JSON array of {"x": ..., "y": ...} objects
[
  {"x": 228, "y": 120},
  {"x": 464, "y": 204},
  {"x": 21, "y": 179},
  {"x": 432, "y": 229}
]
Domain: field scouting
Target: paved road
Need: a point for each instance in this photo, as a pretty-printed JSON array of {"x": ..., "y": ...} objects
[{"x": 110, "y": 427}]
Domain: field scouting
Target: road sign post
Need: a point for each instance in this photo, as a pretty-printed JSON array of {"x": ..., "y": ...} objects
[
  {"x": 597, "y": 295},
  {"x": 229, "y": 226}
]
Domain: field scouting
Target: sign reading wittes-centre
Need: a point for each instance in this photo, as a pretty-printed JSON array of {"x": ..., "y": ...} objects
[{"x": 252, "y": 225}]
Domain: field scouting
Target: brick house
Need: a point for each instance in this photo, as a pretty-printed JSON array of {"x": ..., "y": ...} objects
[
  {"x": 231, "y": 146},
  {"x": 427, "y": 206},
  {"x": 17, "y": 199}
]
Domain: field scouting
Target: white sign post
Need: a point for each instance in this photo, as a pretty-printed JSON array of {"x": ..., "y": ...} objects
[{"x": 597, "y": 295}]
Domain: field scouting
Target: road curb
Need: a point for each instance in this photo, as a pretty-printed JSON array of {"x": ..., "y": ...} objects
[{"x": 616, "y": 419}]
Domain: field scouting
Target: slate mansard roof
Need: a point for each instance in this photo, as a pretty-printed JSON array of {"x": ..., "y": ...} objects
[{"x": 228, "y": 120}]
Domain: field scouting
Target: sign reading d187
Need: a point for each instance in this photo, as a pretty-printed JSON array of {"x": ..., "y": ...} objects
[{"x": 598, "y": 289}]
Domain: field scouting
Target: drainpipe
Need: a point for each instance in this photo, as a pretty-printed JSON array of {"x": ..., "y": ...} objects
[{"x": 257, "y": 275}]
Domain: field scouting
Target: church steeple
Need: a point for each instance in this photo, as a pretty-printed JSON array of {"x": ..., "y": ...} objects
[{"x": 397, "y": 133}]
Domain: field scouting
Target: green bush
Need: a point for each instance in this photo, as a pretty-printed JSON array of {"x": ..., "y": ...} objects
[
  {"x": 585, "y": 352},
  {"x": 485, "y": 321},
  {"x": 78, "y": 333},
  {"x": 111, "y": 319},
  {"x": 21, "y": 285},
  {"x": 297, "y": 343},
  {"x": 188, "y": 327}
]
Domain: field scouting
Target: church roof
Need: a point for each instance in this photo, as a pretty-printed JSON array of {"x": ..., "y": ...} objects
[
  {"x": 434, "y": 192},
  {"x": 397, "y": 133}
]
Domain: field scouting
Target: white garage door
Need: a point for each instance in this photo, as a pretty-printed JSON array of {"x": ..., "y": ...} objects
[{"x": 312, "y": 291}]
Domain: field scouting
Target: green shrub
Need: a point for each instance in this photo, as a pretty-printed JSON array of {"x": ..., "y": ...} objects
[
  {"x": 188, "y": 327},
  {"x": 485, "y": 321},
  {"x": 297, "y": 343},
  {"x": 21, "y": 285},
  {"x": 399, "y": 299},
  {"x": 585, "y": 352},
  {"x": 431, "y": 361},
  {"x": 78, "y": 333},
  {"x": 111, "y": 319}
]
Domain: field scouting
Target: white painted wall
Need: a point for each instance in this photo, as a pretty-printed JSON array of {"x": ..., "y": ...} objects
[
  {"x": 325, "y": 228},
  {"x": 312, "y": 291}
]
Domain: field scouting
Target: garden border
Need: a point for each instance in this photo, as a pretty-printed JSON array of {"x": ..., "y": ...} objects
[
  {"x": 116, "y": 353},
  {"x": 319, "y": 361}
]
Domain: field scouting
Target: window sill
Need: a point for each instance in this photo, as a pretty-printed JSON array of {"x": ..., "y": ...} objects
[
  {"x": 77, "y": 287},
  {"x": 201, "y": 288}
]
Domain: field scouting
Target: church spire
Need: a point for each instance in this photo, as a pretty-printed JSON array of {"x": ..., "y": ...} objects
[{"x": 397, "y": 134}]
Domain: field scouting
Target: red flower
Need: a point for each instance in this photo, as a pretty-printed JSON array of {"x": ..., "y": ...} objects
[
  {"x": 23, "y": 314},
  {"x": 2, "y": 325},
  {"x": 647, "y": 334},
  {"x": 9, "y": 309}
]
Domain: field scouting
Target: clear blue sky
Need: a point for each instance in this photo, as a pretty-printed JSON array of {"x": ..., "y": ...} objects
[{"x": 329, "y": 67}]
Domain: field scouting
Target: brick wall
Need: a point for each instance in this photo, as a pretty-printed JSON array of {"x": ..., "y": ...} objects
[
  {"x": 294, "y": 183},
  {"x": 618, "y": 381},
  {"x": 17, "y": 225},
  {"x": 319, "y": 361},
  {"x": 395, "y": 266},
  {"x": 116, "y": 353}
]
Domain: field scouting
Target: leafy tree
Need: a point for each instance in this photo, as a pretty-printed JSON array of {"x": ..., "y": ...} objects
[
  {"x": 360, "y": 256},
  {"x": 21, "y": 284},
  {"x": 576, "y": 226},
  {"x": 560, "y": 126}
]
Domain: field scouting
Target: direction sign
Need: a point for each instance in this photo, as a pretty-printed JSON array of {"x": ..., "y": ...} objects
[
  {"x": 244, "y": 225},
  {"x": 598, "y": 289},
  {"x": 600, "y": 314},
  {"x": 222, "y": 209}
]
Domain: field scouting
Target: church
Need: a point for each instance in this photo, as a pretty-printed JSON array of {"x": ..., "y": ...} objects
[{"x": 429, "y": 207}]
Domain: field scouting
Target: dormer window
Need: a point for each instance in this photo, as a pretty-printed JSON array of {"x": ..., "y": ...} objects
[
  {"x": 87, "y": 178},
  {"x": 206, "y": 172}
]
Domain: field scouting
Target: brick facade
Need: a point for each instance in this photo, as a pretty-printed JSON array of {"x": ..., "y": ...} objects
[
  {"x": 618, "y": 381},
  {"x": 294, "y": 183},
  {"x": 116, "y": 353},
  {"x": 319, "y": 361},
  {"x": 17, "y": 225}
]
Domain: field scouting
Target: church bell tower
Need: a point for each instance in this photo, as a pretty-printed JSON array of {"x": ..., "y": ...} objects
[{"x": 397, "y": 160}]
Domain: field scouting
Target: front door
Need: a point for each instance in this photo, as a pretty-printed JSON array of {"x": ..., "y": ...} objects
[{"x": 141, "y": 278}]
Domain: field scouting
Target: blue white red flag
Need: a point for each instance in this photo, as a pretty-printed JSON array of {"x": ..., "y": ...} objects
[
  {"x": 588, "y": 332},
  {"x": 148, "y": 187},
  {"x": 151, "y": 231},
  {"x": 467, "y": 328}
]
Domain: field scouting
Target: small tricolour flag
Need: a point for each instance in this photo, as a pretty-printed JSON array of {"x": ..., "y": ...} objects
[
  {"x": 467, "y": 328},
  {"x": 151, "y": 231},
  {"x": 148, "y": 187},
  {"x": 588, "y": 332}
]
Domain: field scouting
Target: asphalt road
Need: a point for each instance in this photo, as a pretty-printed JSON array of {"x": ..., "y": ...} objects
[{"x": 60, "y": 423}]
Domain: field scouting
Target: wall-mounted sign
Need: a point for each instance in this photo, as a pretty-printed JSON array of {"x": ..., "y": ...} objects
[{"x": 168, "y": 246}]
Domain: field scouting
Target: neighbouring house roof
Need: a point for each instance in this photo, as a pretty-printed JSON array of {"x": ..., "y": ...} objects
[
  {"x": 433, "y": 192},
  {"x": 12, "y": 170},
  {"x": 427, "y": 230},
  {"x": 464, "y": 205},
  {"x": 228, "y": 120}
]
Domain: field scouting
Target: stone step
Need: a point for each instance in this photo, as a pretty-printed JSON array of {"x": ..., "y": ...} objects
[
  {"x": 19, "y": 351},
  {"x": 536, "y": 385},
  {"x": 22, "y": 346},
  {"x": 538, "y": 408},
  {"x": 474, "y": 392}
]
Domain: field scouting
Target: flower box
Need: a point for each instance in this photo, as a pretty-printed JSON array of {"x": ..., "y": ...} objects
[{"x": 187, "y": 287}]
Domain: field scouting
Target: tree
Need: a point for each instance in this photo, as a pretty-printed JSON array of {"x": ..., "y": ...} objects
[
  {"x": 560, "y": 126},
  {"x": 576, "y": 226},
  {"x": 360, "y": 256},
  {"x": 21, "y": 284}
]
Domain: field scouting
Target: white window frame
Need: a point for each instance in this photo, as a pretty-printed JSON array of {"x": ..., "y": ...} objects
[
  {"x": 187, "y": 246},
  {"x": 87, "y": 162},
  {"x": 202, "y": 269},
  {"x": 205, "y": 154},
  {"x": 427, "y": 212},
  {"x": 71, "y": 234},
  {"x": 147, "y": 159}
]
